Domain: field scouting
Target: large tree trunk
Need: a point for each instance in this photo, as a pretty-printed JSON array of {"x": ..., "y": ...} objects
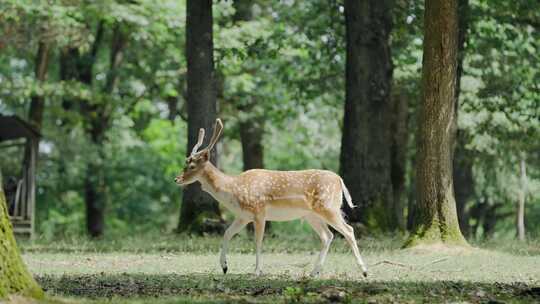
[
  {"x": 201, "y": 108},
  {"x": 463, "y": 159},
  {"x": 14, "y": 277},
  {"x": 365, "y": 159},
  {"x": 520, "y": 215},
  {"x": 398, "y": 148},
  {"x": 435, "y": 218}
]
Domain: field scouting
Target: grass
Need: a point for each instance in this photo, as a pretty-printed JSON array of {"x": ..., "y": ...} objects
[{"x": 176, "y": 269}]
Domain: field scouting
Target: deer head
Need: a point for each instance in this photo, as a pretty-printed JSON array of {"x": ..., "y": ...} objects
[{"x": 197, "y": 159}]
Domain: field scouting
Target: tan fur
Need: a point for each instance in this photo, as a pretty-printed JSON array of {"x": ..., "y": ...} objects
[
  {"x": 261, "y": 195},
  {"x": 313, "y": 190}
]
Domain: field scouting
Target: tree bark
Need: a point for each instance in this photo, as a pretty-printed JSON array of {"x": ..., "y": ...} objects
[
  {"x": 201, "y": 108},
  {"x": 365, "y": 159},
  {"x": 435, "y": 218},
  {"x": 463, "y": 159},
  {"x": 520, "y": 215},
  {"x": 398, "y": 152},
  {"x": 14, "y": 276}
]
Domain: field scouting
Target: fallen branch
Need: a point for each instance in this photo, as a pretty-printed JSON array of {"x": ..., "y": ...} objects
[
  {"x": 411, "y": 267},
  {"x": 392, "y": 263}
]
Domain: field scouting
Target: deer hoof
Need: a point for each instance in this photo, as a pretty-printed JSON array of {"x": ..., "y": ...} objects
[
  {"x": 365, "y": 274},
  {"x": 225, "y": 269}
]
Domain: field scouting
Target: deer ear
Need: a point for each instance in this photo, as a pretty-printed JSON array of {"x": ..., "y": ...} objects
[{"x": 205, "y": 156}]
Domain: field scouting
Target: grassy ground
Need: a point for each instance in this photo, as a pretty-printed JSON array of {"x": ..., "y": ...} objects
[{"x": 172, "y": 269}]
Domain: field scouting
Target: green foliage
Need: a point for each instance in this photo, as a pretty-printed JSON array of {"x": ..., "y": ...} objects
[{"x": 285, "y": 67}]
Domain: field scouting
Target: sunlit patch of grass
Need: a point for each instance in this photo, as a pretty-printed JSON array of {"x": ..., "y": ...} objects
[{"x": 178, "y": 268}]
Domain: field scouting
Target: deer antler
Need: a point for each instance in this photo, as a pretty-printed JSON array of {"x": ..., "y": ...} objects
[
  {"x": 218, "y": 127},
  {"x": 199, "y": 141}
]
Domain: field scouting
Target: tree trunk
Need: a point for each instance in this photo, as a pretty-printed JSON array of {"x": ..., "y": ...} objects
[
  {"x": 252, "y": 128},
  {"x": 251, "y": 133},
  {"x": 14, "y": 276},
  {"x": 365, "y": 159},
  {"x": 37, "y": 104},
  {"x": 76, "y": 66},
  {"x": 201, "y": 107},
  {"x": 398, "y": 153},
  {"x": 98, "y": 115},
  {"x": 463, "y": 159},
  {"x": 463, "y": 182},
  {"x": 435, "y": 218},
  {"x": 520, "y": 216}
]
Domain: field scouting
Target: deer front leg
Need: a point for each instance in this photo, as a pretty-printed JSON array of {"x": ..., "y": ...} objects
[
  {"x": 259, "y": 224},
  {"x": 233, "y": 229}
]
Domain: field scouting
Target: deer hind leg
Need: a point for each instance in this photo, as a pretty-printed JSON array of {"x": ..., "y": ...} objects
[
  {"x": 335, "y": 219},
  {"x": 326, "y": 239}
]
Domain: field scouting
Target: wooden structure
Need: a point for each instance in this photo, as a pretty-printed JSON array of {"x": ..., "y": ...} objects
[{"x": 21, "y": 190}]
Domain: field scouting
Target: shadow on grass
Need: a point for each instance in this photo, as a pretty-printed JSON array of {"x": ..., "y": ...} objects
[{"x": 248, "y": 287}]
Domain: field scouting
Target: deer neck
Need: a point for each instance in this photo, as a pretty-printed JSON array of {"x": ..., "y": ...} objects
[{"x": 214, "y": 181}]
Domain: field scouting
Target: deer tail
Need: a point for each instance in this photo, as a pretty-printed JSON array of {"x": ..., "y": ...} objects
[{"x": 346, "y": 194}]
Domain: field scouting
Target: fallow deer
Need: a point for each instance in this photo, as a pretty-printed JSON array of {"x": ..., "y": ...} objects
[{"x": 263, "y": 195}]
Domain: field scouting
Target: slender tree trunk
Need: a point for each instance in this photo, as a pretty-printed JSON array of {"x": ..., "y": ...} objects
[
  {"x": 37, "y": 104},
  {"x": 252, "y": 128},
  {"x": 463, "y": 159},
  {"x": 520, "y": 216},
  {"x": 435, "y": 218},
  {"x": 99, "y": 119},
  {"x": 398, "y": 152},
  {"x": 76, "y": 66},
  {"x": 201, "y": 108},
  {"x": 14, "y": 276},
  {"x": 365, "y": 159},
  {"x": 463, "y": 182},
  {"x": 172, "y": 106}
]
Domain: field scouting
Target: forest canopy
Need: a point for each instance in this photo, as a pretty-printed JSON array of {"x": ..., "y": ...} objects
[{"x": 106, "y": 84}]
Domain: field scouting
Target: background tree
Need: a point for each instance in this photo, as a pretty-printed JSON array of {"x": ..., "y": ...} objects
[
  {"x": 201, "y": 106},
  {"x": 251, "y": 126},
  {"x": 435, "y": 216},
  {"x": 463, "y": 157},
  {"x": 288, "y": 64},
  {"x": 14, "y": 277},
  {"x": 365, "y": 160},
  {"x": 520, "y": 214}
]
